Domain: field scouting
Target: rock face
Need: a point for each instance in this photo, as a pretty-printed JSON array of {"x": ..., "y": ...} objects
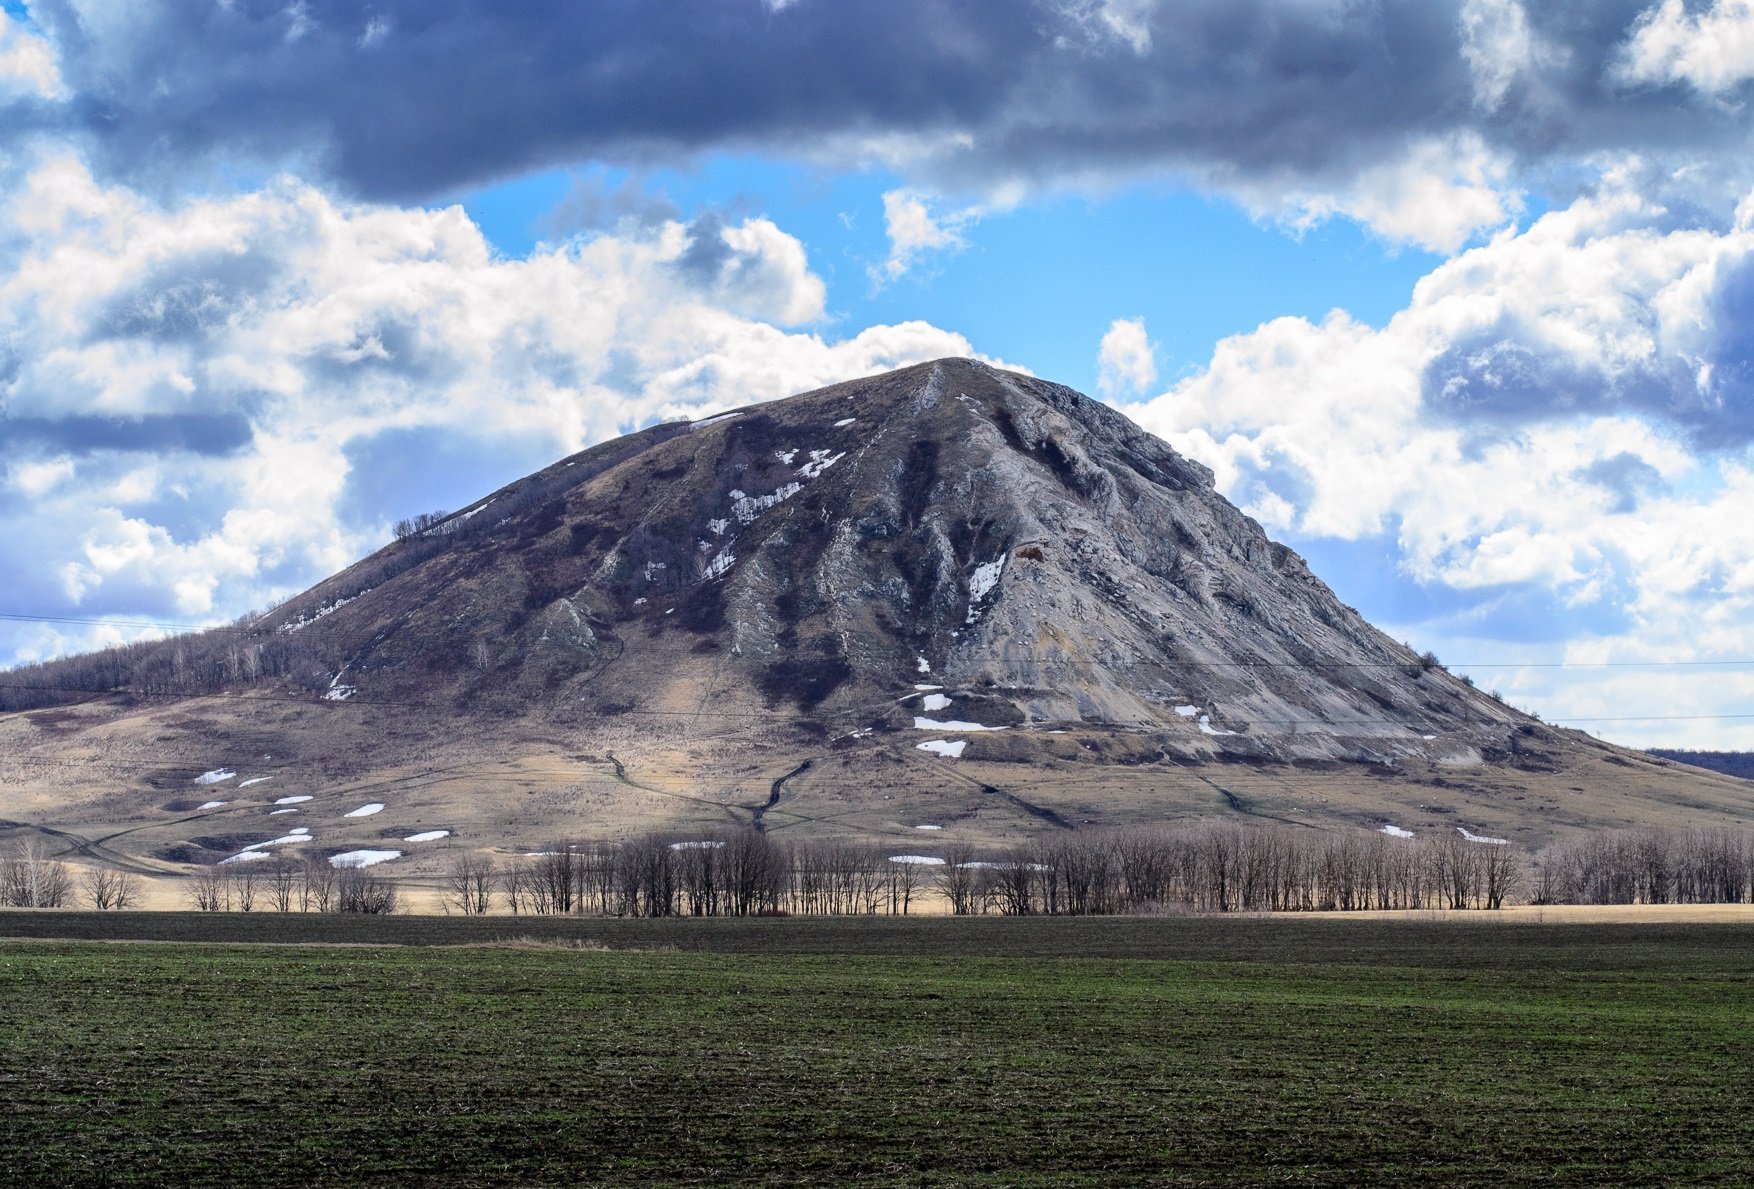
[{"x": 1032, "y": 554}]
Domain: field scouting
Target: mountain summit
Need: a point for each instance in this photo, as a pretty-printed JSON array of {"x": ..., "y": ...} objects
[
  {"x": 1032, "y": 555},
  {"x": 945, "y": 596}
]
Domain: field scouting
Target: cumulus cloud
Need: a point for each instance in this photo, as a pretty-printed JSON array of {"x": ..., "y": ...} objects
[
  {"x": 1126, "y": 363},
  {"x": 208, "y": 405},
  {"x": 1433, "y": 103},
  {"x": 1566, "y": 410},
  {"x": 27, "y": 64},
  {"x": 916, "y": 230},
  {"x": 1711, "y": 50}
]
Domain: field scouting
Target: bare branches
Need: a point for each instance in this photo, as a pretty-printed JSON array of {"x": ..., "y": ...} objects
[
  {"x": 469, "y": 883},
  {"x": 29, "y": 878},
  {"x": 106, "y": 888}
]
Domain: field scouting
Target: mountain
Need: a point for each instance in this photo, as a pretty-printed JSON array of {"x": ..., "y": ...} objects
[{"x": 948, "y": 596}]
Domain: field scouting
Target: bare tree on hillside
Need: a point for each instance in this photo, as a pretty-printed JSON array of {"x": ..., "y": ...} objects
[
  {"x": 30, "y": 878},
  {"x": 317, "y": 889},
  {"x": 469, "y": 883},
  {"x": 358, "y": 890},
  {"x": 208, "y": 890},
  {"x": 106, "y": 888},
  {"x": 956, "y": 879}
]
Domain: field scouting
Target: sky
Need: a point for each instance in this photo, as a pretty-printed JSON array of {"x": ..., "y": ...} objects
[{"x": 1456, "y": 297}]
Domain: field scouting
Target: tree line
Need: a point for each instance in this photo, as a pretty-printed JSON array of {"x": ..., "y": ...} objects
[
  {"x": 1203, "y": 869},
  {"x": 1214, "y": 868},
  {"x": 1654, "y": 866}
]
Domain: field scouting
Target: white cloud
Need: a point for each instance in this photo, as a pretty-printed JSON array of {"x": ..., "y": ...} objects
[
  {"x": 1497, "y": 46},
  {"x": 1525, "y": 430},
  {"x": 1102, "y": 21},
  {"x": 1439, "y": 194},
  {"x": 201, "y": 398},
  {"x": 914, "y": 230},
  {"x": 1125, "y": 361},
  {"x": 1712, "y": 50},
  {"x": 27, "y": 63}
]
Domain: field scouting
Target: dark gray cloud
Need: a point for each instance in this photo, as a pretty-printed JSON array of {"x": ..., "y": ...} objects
[
  {"x": 1626, "y": 477},
  {"x": 410, "y": 98},
  {"x": 593, "y": 204},
  {"x": 189, "y": 297},
  {"x": 194, "y": 433},
  {"x": 1506, "y": 377}
]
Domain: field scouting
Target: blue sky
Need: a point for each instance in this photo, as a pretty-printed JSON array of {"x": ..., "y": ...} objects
[
  {"x": 1452, "y": 295},
  {"x": 1038, "y": 284}
]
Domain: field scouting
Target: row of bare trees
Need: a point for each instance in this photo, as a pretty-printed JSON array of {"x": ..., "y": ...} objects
[
  {"x": 744, "y": 873},
  {"x": 1230, "y": 868},
  {"x": 1654, "y": 866},
  {"x": 287, "y": 884},
  {"x": 30, "y": 877},
  {"x": 1203, "y": 869}
]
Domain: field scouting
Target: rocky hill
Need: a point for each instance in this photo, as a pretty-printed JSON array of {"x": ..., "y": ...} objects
[{"x": 949, "y": 594}]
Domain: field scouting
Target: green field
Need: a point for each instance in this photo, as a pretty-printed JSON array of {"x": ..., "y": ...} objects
[{"x": 1193, "y": 1051}]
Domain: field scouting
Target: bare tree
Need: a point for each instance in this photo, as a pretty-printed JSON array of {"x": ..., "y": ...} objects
[
  {"x": 242, "y": 878},
  {"x": 30, "y": 878},
  {"x": 106, "y": 888},
  {"x": 283, "y": 882},
  {"x": 469, "y": 883},
  {"x": 317, "y": 889},
  {"x": 209, "y": 890},
  {"x": 956, "y": 878},
  {"x": 358, "y": 890},
  {"x": 514, "y": 881}
]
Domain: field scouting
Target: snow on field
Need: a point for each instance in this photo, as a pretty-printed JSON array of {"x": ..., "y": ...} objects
[
  {"x": 212, "y": 804},
  {"x": 331, "y": 608},
  {"x": 718, "y": 565},
  {"x": 703, "y": 844},
  {"x": 986, "y": 576},
  {"x": 1482, "y": 838},
  {"x": 928, "y": 827},
  {"x": 367, "y": 810},
  {"x": 244, "y": 856},
  {"x": 820, "y": 460},
  {"x": 215, "y": 776},
  {"x": 844, "y": 422},
  {"x": 930, "y": 724},
  {"x": 1395, "y": 832},
  {"x": 272, "y": 812},
  {"x": 286, "y": 839},
  {"x": 244, "y": 784},
  {"x": 950, "y": 750},
  {"x": 340, "y": 693},
  {"x": 922, "y": 860},
  {"x": 746, "y": 508},
  {"x": 363, "y": 858},
  {"x": 428, "y": 836},
  {"x": 935, "y": 702},
  {"x": 925, "y": 665},
  {"x": 298, "y": 800}
]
